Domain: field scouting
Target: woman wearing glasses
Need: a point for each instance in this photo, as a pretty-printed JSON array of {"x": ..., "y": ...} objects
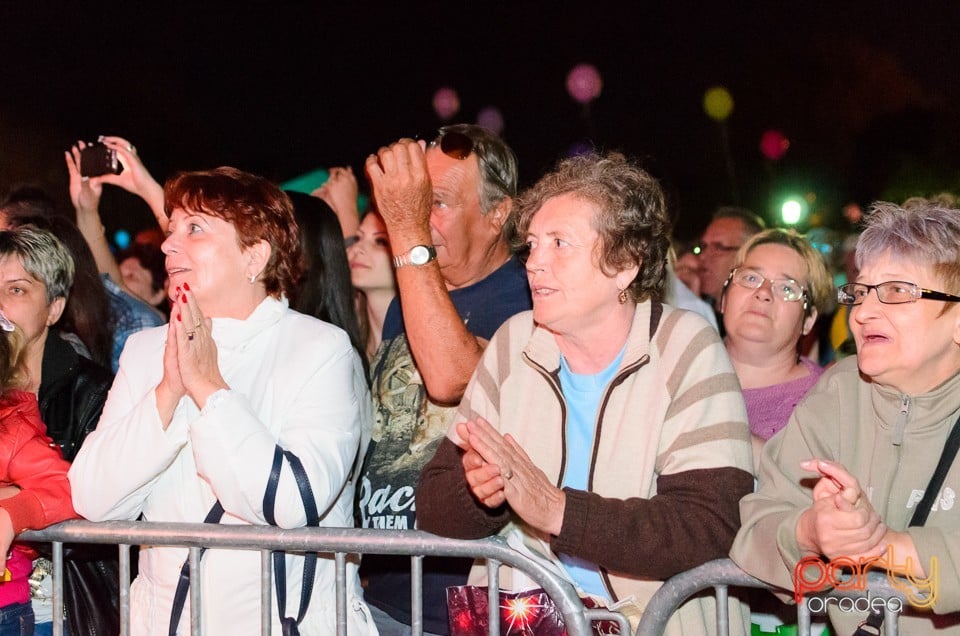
[
  {"x": 769, "y": 302},
  {"x": 852, "y": 467}
]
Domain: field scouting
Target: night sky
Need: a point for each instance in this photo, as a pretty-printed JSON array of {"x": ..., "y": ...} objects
[{"x": 867, "y": 93}]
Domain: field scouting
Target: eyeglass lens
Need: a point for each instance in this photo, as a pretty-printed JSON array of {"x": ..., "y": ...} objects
[{"x": 786, "y": 289}]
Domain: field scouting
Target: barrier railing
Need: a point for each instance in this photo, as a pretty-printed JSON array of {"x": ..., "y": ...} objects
[
  {"x": 721, "y": 574},
  {"x": 339, "y": 541}
]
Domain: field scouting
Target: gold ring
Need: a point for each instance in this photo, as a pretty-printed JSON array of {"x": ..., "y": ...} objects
[
  {"x": 199, "y": 325},
  {"x": 190, "y": 335}
]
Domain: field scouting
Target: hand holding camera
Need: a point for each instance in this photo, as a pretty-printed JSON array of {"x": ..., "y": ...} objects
[
  {"x": 97, "y": 160},
  {"x": 112, "y": 160}
]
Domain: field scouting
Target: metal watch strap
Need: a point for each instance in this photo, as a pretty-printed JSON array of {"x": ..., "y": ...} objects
[{"x": 405, "y": 259}]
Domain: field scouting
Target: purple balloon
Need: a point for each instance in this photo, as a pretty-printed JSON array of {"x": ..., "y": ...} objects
[
  {"x": 584, "y": 83},
  {"x": 446, "y": 103},
  {"x": 491, "y": 119}
]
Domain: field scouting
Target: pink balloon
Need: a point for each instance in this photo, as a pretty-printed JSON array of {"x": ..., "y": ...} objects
[
  {"x": 773, "y": 144},
  {"x": 584, "y": 83},
  {"x": 491, "y": 119},
  {"x": 446, "y": 103}
]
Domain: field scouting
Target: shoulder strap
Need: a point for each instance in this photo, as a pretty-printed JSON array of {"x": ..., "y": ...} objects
[
  {"x": 874, "y": 621},
  {"x": 656, "y": 312},
  {"x": 180, "y": 596},
  {"x": 950, "y": 449},
  {"x": 289, "y": 624}
]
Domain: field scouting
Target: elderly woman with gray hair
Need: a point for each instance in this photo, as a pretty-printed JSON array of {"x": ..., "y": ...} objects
[
  {"x": 865, "y": 468},
  {"x": 604, "y": 430}
]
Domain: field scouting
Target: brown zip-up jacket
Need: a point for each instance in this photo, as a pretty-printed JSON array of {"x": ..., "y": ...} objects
[{"x": 671, "y": 455}]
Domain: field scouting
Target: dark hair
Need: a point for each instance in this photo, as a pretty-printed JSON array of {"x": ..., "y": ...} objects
[
  {"x": 87, "y": 311},
  {"x": 28, "y": 201},
  {"x": 631, "y": 217},
  {"x": 258, "y": 209},
  {"x": 325, "y": 291},
  {"x": 752, "y": 223}
]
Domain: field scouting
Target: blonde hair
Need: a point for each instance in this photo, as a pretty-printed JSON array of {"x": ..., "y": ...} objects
[
  {"x": 13, "y": 360},
  {"x": 819, "y": 284}
]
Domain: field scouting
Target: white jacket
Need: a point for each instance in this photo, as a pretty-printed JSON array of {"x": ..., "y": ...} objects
[{"x": 295, "y": 381}]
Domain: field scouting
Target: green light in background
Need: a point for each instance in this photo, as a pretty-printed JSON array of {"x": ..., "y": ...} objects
[{"x": 792, "y": 210}]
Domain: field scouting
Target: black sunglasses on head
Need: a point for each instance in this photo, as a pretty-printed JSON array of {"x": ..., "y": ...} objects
[{"x": 455, "y": 145}]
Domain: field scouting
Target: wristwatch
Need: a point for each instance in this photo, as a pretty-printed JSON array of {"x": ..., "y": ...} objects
[{"x": 418, "y": 255}]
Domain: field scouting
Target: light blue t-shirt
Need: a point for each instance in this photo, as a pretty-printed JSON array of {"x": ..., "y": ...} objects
[{"x": 583, "y": 393}]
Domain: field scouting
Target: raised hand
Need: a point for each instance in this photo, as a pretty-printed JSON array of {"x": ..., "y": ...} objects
[
  {"x": 84, "y": 193},
  {"x": 401, "y": 186},
  {"x": 340, "y": 193}
]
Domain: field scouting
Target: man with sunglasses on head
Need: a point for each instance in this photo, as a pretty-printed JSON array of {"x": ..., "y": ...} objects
[{"x": 447, "y": 207}]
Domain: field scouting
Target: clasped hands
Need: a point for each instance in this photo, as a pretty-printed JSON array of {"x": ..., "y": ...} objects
[
  {"x": 499, "y": 471},
  {"x": 841, "y": 521},
  {"x": 190, "y": 364}
]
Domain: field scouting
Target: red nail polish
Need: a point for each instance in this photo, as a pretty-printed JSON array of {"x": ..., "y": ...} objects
[
  {"x": 186, "y": 286},
  {"x": 178, "y": 290},
  {"x": 179, "y": 319},
  {"x": 183, "y": 299}
]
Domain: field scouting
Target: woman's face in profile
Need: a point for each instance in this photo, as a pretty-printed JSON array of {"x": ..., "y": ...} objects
[
  {"x": 369, "y": 256},
  {"x": 912, "y": 347},
  {"x": 203, "y": 252},
  {"x": 761, "y": 316}
]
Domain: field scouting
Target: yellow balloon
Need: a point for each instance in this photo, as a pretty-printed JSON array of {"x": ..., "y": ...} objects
[{"x": 717, "y": 103}]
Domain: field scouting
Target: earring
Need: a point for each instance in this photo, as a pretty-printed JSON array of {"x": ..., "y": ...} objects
[
  {"x": 253, "y": 278},
  {"x": 622, "y": 296}
]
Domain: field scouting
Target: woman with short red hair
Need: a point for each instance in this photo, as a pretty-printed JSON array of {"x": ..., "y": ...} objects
[{"x": 218, "y": 408}]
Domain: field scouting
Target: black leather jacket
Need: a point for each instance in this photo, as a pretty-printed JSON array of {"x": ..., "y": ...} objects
[{"x": 72, "y": 392}]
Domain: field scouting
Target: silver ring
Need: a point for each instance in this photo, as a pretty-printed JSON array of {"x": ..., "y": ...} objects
[
  {"x": 190, "y": 335},
  {"x": 131, "y": 148},
  {"x": 508, "y": 475}
]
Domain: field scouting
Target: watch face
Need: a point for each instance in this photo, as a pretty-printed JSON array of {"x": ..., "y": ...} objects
[{"x": 419, "y": 255}]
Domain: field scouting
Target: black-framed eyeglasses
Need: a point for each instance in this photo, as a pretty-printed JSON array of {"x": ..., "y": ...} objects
[
  {"x": 455, "y": 145},
  {"x": 891, "y": 292},
  {"x": 783, "y": 288}
]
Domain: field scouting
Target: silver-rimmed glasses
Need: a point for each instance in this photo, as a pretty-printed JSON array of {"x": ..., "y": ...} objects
[{"x": 784, "y": 288}]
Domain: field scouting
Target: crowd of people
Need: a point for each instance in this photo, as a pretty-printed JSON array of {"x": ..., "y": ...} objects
[{"x": 470, "y": 360}]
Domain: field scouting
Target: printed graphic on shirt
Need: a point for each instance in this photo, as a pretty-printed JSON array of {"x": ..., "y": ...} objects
[
  {"x": 943, "y": 502},
  {"x": 407, "y": 429}
]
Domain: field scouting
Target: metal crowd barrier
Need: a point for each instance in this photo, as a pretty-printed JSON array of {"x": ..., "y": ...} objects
[
  {"x": 339, "y": 541},
  {"x": 721, "y": 574}
]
